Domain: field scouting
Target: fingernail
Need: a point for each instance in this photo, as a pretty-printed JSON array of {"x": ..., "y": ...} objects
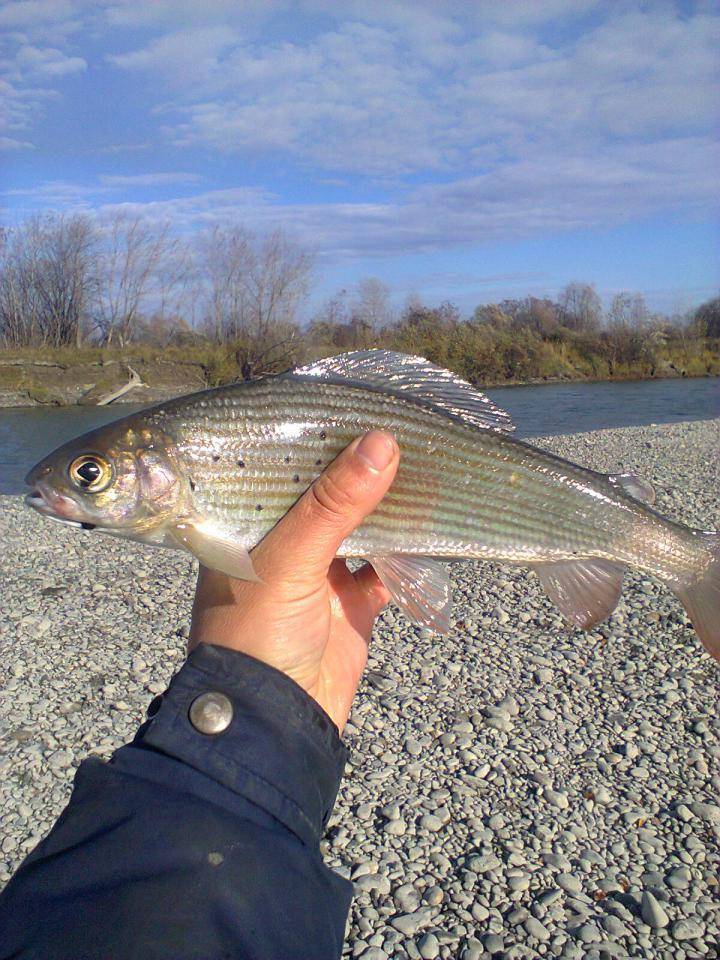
[{"x": 377, "y": 449}]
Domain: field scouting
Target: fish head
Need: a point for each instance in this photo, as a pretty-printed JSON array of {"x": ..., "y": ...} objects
[{"x": 122, "y": 478}]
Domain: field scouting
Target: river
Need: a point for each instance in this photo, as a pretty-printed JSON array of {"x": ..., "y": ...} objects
[{"x": 28, "y": 433}]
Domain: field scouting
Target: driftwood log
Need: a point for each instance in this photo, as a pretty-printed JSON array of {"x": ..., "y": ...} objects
[{"x": 134, "y": 381}]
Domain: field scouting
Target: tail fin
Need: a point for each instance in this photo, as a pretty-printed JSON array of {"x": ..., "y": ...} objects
[{"x": 701, "y": 598}]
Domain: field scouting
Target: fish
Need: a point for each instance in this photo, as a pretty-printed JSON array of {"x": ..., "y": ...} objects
[{"x": 212, "y": 472}]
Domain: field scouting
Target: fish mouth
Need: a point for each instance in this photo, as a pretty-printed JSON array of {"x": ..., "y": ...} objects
[{"x": 37, "y": 501}]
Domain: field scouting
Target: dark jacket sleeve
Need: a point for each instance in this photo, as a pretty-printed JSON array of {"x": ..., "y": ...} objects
[{"x": 190, "y": 846}]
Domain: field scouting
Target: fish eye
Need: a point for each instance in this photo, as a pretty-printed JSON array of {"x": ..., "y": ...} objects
[{"x": 90, "y": 473}]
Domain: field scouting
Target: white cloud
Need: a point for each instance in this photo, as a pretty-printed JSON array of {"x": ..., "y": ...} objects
[
  {"x": 392, "y": 89},
  {"x": 536, "y": 117},
  {"x": 186, "y": 57},
  {"x": 30, "y": 13},
  {"x": 533, "y": 197},
  {"x": 8, "y": 143},
  {"x": 148, "y": 179},
  {"x": 46, "y": 62}
]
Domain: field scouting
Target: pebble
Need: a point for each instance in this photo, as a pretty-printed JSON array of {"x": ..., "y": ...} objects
[
  {"x": 569, "y": 883},
  {"x": 484, "y": 864},
  {"x": 557, "y": 798},
  {"x": 706, "y": 811},
  {"x": 429, "y": 946},
  {"x": 652, "y": 912},
  {"x": 686, "y": 930},
  {"x": 409, "y": 923},
  {"x": 614, "y": 926},
  {"x": 536, "y": 929},
  {"x": 482, "y": 768}
]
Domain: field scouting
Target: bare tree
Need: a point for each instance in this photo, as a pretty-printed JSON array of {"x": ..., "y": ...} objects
[
  {"x": 581, "y": 307},
  {"x": 628, "y": 310},
  {"x": 706, "y": 319},
  {"x": 132, "y": 266},
  {"x": 65, "y": 278},
  {"x": 19, "y": 302},
  {"x": 47, "y": 280},
  {"x": 254, "y": 287},
  {"x": 626, "y": 338},
  {"x": 372, "y": 305}
]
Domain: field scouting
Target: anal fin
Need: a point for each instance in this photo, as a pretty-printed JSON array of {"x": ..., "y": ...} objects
[
  {"x": 585, "y": 591},
  {"x": 215, "y": 549},
  {"x": 419, "y": 586}
]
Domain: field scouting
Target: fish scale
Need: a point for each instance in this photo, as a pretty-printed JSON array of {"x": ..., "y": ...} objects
[
  {"x": 213, "y": 472},
  {"x": 461, "y": 488}
]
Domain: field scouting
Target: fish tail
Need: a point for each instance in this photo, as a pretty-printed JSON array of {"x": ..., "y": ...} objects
[{"x": 701, "y": 596}]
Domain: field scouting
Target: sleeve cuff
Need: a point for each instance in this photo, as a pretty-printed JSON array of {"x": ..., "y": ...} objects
[{"x": 280, "y": 750}]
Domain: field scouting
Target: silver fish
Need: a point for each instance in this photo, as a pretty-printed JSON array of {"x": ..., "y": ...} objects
[{"x": 212, "y": 472}]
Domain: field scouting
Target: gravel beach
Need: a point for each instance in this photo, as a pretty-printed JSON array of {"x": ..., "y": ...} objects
[{"x": 518, "y": 789}]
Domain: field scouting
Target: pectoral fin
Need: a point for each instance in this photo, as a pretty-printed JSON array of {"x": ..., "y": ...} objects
[
  {"x": 419, "y": 586},
  {"x": 585, "y": 591},
  {"x": 215, "y": 549}
]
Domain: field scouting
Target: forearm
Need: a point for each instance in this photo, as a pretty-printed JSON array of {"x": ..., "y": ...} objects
[{"x": 190, "y": 845}]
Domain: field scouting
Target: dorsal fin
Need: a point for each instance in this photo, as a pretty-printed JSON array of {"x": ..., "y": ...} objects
[{"x": 400, "y": 372}]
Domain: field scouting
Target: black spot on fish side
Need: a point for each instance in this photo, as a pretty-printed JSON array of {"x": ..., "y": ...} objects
[
  {"x": 216, "y": 457},
  {"x": 323, "y": 435},
  {"x": 192, "y": 484},
  {"x": 296, "y": 479},
  {"x": 241, "y": 463},
  {"x": 287, "y": 459},
  {"x": 258, "y": 507},
  {"x": 318, "y": 463}
]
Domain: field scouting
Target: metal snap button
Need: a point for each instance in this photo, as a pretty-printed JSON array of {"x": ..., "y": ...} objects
[{"x": 211, "y": 713}]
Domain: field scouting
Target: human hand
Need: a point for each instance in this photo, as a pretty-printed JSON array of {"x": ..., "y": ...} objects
[{"x": 310, "y": 617}]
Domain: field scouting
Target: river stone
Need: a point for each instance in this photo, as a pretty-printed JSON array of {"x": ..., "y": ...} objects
[
  {"x": 396, "y": 828},
  {"x": 430, "y": 822},
  {"x": 686, "y": 930},
  {"x": 370, "y": 882},
  {"x": 557, "y": 798},
  {"x": 409, "y": 923},
  {"x": 614, "y": 926},
  {"x": 429, "y": 946},
  {"x": 652, "y": 913},
  {"x": 569, "y": 883},
  {"x": 484, "y": 863},
  {"x": 536, "y": 929},
  {"x": 706, "y": 811}
]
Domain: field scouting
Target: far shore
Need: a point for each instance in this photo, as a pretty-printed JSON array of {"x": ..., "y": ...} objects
[{"x": 63, "y": 383}]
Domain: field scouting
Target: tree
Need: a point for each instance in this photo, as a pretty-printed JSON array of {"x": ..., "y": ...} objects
[
  {"x": 580, "y": 306},
  {"x": 254, "y": 285},
  {"x": 706, "y": 319},
  {"x": 628, "y": 310},
  {"x": 47, "y": 280},
  {"x": 132, "y": 253},
  {"x": 372, "y": 306},
  {"x": 532, "y": 313}
]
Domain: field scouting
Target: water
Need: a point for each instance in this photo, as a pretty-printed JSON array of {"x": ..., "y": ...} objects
[{"x": 28, "y": 433}]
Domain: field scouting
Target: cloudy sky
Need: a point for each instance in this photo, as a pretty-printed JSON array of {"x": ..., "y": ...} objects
[{"x": 464, "y": 150}]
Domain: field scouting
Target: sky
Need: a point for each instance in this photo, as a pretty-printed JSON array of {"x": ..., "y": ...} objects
[{"x": 465, "y": 151}]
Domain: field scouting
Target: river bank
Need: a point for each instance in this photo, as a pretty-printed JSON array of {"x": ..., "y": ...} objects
[
  {"x": 516, "y": 789},
  {"x": 68, "y": 377}
]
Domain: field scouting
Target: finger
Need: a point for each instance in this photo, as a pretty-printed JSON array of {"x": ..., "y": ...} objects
[
  {"x": 371, "y": 586},
  {"x": 307, "y": 539}
]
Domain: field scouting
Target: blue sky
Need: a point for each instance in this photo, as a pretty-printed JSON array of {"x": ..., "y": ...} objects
[{"x": 468, "y": 151}]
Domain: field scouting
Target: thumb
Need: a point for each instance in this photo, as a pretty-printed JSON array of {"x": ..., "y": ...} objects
[{"x": 304, "y": 543}]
